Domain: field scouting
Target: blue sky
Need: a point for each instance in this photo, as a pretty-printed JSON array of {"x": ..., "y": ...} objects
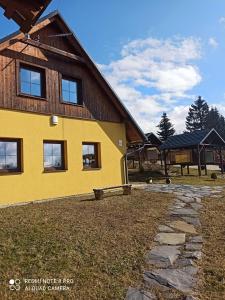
[{"x": 158, "y": 55}]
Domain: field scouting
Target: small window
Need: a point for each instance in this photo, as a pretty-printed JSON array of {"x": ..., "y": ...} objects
[
  {"x": 32, "y": 81},
  {"x": 71, "y": 91},
  {"x": 10, "y": 155},
  {"x": 90, "y": 156},
  {"x": 54, "y": 155}
]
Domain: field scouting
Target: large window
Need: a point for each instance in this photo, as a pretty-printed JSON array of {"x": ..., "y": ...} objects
[
  {"x": 10, "y": 155},
  {"x": 90, "y": 155},
  {"x": 54, "y": 155},
  {"x": 32, "y": 81},
  {"x": 71, "y": 91}
]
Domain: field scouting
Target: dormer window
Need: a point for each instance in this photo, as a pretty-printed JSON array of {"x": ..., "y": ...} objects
[
  {"x": 71, "y": 90},
  {"x": 32, "y": 81}
]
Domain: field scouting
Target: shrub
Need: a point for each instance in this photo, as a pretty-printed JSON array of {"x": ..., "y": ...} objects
[
  {"x": 213, "y": 176},
  {"x": 149, "y": 180},
  {"x": 168, "y": 180}
]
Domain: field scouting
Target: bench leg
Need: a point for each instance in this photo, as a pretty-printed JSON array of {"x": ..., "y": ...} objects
[
  {"x": 127, "y": 190},
  {"x": 99, "y": 195}
]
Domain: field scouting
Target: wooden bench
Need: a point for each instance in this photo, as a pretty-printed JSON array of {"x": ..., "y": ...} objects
[{"x": 99, "y": 193}]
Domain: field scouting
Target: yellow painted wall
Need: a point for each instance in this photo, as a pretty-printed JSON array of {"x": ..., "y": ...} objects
[{"x": 33, "y": 183}]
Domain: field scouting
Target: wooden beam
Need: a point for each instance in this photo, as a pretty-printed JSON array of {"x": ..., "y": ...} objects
[
  {"x": 18, "y": 37},
  {"x": 188, "y": 169},
  {"x": 221, "y": 161},
  {"x": 165, "y": 165},
  {"x": 181, "y": 170},
  {"x": 199, "y": 162},
  {"x": 53, "y": 50}
]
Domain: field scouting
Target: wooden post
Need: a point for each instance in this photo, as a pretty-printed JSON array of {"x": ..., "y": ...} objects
[
  {"x": 165, "y": 165},
  {"x": 99, "y": 194},
  {"x": 205, "y": 162},
  {"x": 206, "y": 171},
  {"x": 221, "y": 161},
  {"x": 199, "y": 162},
  {"x": 188, "y": 169},
  {"x": 139, "y": 160},
  {"x": 181, "y": 170},
  {"x": 127, "y": 189}
]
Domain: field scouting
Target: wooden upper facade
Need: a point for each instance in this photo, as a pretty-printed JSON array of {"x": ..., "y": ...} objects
[{"x": 58, "y": 57}]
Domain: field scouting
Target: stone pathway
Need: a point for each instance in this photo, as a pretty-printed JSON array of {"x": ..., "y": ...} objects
[{"x": 177, "y": 247}]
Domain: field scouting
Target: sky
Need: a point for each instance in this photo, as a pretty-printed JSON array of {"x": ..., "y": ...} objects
[{"x": 157, "y": 55}]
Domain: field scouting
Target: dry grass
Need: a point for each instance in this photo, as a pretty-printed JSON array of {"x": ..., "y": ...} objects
[
  {"x": 99, "y": 244},
  {"x": 212, "y": 284},
  {"x": 192, "y": 179}
]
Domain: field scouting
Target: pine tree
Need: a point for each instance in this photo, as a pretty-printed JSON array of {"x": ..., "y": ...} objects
[
  {"x": 197, "y": 115},
  {"x": 166, "y": 128},
  {"x": 213, "y": 118},
  {"x": 216, "y": 120}
]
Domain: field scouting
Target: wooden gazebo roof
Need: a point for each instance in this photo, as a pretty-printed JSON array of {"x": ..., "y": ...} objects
[
  {"x": 208, "y": 137},
  {"x": 24, "y": 12}
]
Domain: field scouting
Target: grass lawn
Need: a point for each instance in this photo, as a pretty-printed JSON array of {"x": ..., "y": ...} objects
[
  {"x": 193, "y": 178},
  {"x": 212, "y": 284},
  {"x": 99, "y": 244}
]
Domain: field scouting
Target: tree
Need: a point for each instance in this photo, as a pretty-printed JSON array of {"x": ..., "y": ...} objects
[
  {"x": 213, "y": 118},
  {"x": 197, "y": 115},
  {"x": 216, "y": 120},
  {"x": 166, "y": 128}
]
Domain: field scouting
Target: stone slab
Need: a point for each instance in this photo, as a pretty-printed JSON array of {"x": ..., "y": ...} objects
[
  {"x": 196, "y": 239},
  {"x": 170, "y": 238},
  {"x": 163, "y": 256},
  {"x": 164, "y": 228},
  {"x": 193, "y": 246},
  {"x": 179, "y": 279},
  {"x": 137, "y": 294},
  {"x": 184, "y": 212},
  {"x": 183, "y": 226},
  {"x": 193, "y": 254},
  {"x": 192, "y": 220}
]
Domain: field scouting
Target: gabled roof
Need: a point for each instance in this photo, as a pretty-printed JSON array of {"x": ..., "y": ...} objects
[
  {"x": 153, "y": 139},
  {"x": 191, "y": 139},
  {"x": 134, "y": 132},
  {"x": 24, "y": 12}
]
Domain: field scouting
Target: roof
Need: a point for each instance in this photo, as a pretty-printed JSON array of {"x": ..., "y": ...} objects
[
  {"x": 137, "y": 134},
  {"x": 153, "y": 139},
  {"x": 191, "y": 139},
  {"x": 24, "y": 12}
]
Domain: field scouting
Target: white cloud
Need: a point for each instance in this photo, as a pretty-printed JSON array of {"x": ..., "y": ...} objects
[
  {"x": 178, "y": 117},
  {"x": 152, "y": 75},
  {"x": 213, "y": 42},
  {"x": 222, "y": 20}
]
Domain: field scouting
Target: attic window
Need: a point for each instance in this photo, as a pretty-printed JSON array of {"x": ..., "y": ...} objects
[
  {"x": 32, "y": 81},
  {"x": 71, "y": 90}
]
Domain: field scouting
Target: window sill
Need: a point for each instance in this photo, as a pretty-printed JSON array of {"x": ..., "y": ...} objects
[
  {"x": 54, "y": 171},
  {"x": 32, "y": 97},
  {"x": 70, "y": 103},
  {"x": 3, "y": 173}
]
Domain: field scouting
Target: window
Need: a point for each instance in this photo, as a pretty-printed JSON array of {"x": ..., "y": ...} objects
[
  {"x": 71, "y": 91},
  {"x": 54, "y": 155},
  {"x": 32, "y": 81},
  {"x": 90, "y": 156},
  {"x": 10, "y": 155}
]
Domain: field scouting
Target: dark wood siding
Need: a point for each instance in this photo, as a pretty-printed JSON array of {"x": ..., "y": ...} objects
[{"x": 96, "y": 104}]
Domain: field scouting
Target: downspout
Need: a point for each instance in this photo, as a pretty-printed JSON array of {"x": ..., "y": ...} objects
[{"x": 125, "y": 169}]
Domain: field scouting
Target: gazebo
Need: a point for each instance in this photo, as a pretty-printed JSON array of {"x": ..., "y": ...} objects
[
  {"x": 146, "y": 151},
  {"x": 199, "y": 148}
]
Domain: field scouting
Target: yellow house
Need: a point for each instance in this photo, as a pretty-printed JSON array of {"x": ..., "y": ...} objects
[{"x": 63, "y": 130}]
